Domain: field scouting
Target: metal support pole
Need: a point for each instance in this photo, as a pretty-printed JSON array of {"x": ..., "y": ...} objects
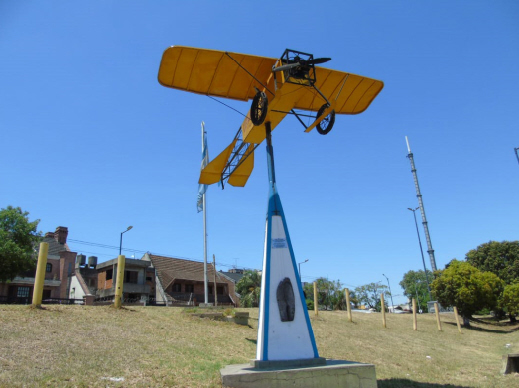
[
  {"x": 40, "y": 274},
  {"x": 421, "y": 251},
  {"x": 270, "y": 154},
  {"x": 430, "y": 249},
  {"x": 390, "y": 293},
  {"x": 215, "y": 289},
  {"x": 206, "y": 293},
  {"x": 121, "y": 241},
  {"x": 383, "y": 310}
]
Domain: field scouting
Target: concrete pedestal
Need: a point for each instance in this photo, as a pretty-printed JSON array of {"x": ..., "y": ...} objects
[{"x": 335, "y": 373}]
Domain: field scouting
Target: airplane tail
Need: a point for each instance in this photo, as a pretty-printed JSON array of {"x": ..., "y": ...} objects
[{"x": 234, "y": 165}]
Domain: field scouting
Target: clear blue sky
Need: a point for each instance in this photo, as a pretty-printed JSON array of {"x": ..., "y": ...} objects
[{"x": 91, "y": 141}]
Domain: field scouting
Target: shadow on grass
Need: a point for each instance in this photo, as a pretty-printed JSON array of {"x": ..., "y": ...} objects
[
  {"x": 405, "y": 383},
  {"x": 489, "y": 326},
  {"x": 255, "y": 342}
]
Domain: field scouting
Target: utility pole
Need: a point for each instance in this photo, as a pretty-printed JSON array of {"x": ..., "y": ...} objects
[
  {"x": 215, "y": 292},
  {"x": 430, "y": 249},
  {"x": 390, "y": 293},
  {"x": 517, "y": 153}
]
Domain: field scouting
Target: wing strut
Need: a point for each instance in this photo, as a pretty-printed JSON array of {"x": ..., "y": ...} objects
[
  {"x": 239, "y": 155},
  {"x": 249, "y": 73}
]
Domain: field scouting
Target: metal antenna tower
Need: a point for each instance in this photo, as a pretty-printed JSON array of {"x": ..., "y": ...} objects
[{"x": 430, "y": 249}]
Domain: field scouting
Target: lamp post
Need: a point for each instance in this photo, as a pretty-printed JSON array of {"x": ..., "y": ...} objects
[
  {"x": 390, "y": 293},
  {"x": 421, "y": 250},
  {"x": 121, "y": 242},
  {"x": 300, "y": 269},
  {"x": 416, "y": 291}
]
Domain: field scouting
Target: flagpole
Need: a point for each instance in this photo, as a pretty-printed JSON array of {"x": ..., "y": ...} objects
[{"x": 205, "y": 229}]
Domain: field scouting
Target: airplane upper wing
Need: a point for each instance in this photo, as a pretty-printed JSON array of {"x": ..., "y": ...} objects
[
  {"x": 355, "y": 97},
  {"x": 212, "y": 72}
]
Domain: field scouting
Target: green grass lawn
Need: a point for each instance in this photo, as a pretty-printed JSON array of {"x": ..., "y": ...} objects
[{"x": 81, "y": 346}]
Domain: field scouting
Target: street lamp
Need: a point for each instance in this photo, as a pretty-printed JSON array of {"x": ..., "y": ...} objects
[
  {"x": 121, "y": 242},
  {"x": 390, "y": 293},
  {"x": 421, "y": 250},
  {"x": 300, "y": 268},
  {"x": 416, "y": 290}
]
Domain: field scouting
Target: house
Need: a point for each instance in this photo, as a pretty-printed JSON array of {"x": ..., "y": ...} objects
[
  {"x": 58, "y": 272},
  {"x": 138, "y": 285},
  {"x": 84, "y": 280},
  {"x": 181, "y": 281},
  {"x": 234, "y": 274}
]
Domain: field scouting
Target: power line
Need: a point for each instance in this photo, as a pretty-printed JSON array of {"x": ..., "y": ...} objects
[
  {"x": 116, "y": 248},
  {"x": 106, "y": 246}
]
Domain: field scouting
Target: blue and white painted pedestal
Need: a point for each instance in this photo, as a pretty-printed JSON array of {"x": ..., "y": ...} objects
[
  {"x": 286, "y": 353},
  {"x": 279, "y": 338}
]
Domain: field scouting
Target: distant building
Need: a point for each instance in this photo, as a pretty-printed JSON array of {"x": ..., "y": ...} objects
[
  {"x": 84, "y": 280},
  {"x": 58, "y": 272},
  {"x": 234, "y": 274},
  {"x": 181, "y": 281},
  {"x": 138, "y": 285}
]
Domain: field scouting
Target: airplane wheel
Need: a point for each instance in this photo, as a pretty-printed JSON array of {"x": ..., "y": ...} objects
[
  {"x": 258, "y": 109},
  {"x": 326, "y": 125}
]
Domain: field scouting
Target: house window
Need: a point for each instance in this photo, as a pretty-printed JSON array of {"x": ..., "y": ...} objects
[
  {"x": 190, "y": 287},
  {"x": 49, "y": 268},
  {"x": 219, "y": 290},
  {"x": 131, "y": 277},
  {"x": 23, "y": 292},
  {"x": 109, "y": 274},
  {"x": 177, "y": 287},
  {"x": 149, "y": 279},
  {"x": 210, "y": 290}
]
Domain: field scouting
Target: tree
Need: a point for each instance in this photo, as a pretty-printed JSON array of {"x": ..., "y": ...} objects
[
  {"x": 510, "y": 300},
  {"x": 414, "y": 284},
  {"x": 369, "y": 294},
  {"x": 249, "y": 289},
  {"x": 330, "y": 294},
  {"x": 466, "y": 287},
  {"x": 500, "y": 258},
  {"x": 18, "y": 240}
]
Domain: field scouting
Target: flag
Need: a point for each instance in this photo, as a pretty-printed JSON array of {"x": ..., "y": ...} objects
[{"x": 205, "y": 160}]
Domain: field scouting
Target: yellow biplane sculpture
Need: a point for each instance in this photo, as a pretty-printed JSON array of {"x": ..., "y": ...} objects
[{"x": 277, "y": 87}]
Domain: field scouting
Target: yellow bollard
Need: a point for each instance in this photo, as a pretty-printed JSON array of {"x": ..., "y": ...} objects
[
  {"x": 40, "y": 274},
  {"x": 119, "y": 281},
  {"x": 415, "y": 323},
  {"x": 457, "y": 318},
  {"x": 348, "y": 307},
  {"x": 383, "y": 309},
  {"x": 315, "y": 299},
  {"x": 437, "y": 311}
]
